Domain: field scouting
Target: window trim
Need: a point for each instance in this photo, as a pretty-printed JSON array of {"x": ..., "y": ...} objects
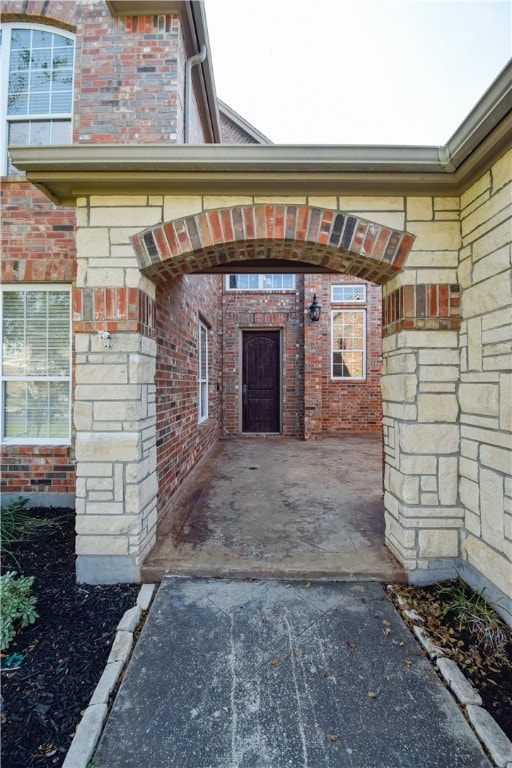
[
  {"x": 5, "y": 56},
  {"x": 202, "y": 381},
  {"x": 46, "y": 287},
  {"x": 343, "y": 310},
  {"x": 260, "y": 288}
]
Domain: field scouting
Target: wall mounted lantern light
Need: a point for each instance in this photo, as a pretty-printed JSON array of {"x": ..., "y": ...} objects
[{"x": 314, "y": 310}]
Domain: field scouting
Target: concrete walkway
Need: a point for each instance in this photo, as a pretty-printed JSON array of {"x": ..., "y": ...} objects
[
  {"x": 275, "y": 507},
  {"x": 269, "y": 674}
]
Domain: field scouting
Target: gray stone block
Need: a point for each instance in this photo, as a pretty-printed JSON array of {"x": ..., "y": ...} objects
[
  {"x": 121, "y": 647},
  {"x": 86, "y": 737},
  {"x": 130, "y": 619},
  {"x": 458, "y": 683},
  {"x": 496, "y": 741},
  {"x": 107, "y": 683},
  {"x": 145, "y": 596}
]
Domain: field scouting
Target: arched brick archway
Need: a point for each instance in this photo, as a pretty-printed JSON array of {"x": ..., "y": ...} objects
[{"x": 322, "y": 238}]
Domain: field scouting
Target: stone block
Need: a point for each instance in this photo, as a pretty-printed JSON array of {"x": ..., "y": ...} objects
[
  {"x": 107, "y": 683},
  {"x": 492, "y": 264},
  {"x": 402, "y": 363},
  {"x": 439, "y": 373},
  {"x": 472, "y": 524},
  {"x": 443, "y": 357},
  {"x": 495, "y": 292},
  {"x": 176, "y": 207},
  {"x": 491, "y": 564},
  {"x": 121, "y": 647},
  {"x": 117, "y": 201},
  {"x": 369, "y": 203},
  {"x": 418, "y": 465},
  {"x": 86, "y": 737},
  {"x": 491, "y": 508},
  {"x": 427, "y": 340},
  {"x": 104, "y": 374},
  {"x": 481, "y": 399},
  {"x": 458, "y": 683},
  {"x": 468, "y": 468},
  {"x": 433, "y": 408},
  {"x": 436, "y": 235},
  {"x": 419, "y": 209},
  {"x": 101, "y": 446},
  {"x": 109, "y": 525},
  {"x": 496, "y": 458},
  {"x": 448, "y": 481},
  {"x": 494, "y": 738},
  {"x": 404, "y": 487},
  {"x": 429, "y": 438},
  {"x": 438, "y": 543},
  {"x": 130, "y": 619},
  {"x": 83, "y": 416},
  {"x": 129, "y": 216},
  {"x": 93, "y": 242},
  {"x": 470, "y": 494},
  {"x": 399, "y": 387},
  {"x": 145, "y": 596},
  {"x": 101, "y": 545},
  {"x": 506, "y": 401},
  {"x": 479, "y": 188}
]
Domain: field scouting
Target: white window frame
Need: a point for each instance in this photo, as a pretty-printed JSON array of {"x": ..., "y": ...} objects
[
  {"x": 202, "y": 375},
  {"x": 5, "y": 55},
  {"x": 3, "y": 379},
  {"x": 363, "y": 350},
  {"x": 346, "y": 288},
  {"x": 261, "y": 286}
]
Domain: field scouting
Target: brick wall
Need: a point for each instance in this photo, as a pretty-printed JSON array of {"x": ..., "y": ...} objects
[
  {"x": 38, "y": 245},
  {"x": 127, "y": 74},
  {"x": 181, "y": 440},
  {"x": 338, "y": 406}
]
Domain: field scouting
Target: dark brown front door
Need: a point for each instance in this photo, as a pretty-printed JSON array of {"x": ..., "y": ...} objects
[{"x": 260, "y": 384}]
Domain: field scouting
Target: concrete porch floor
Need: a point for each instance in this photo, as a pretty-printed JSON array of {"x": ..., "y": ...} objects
[{"x": 271, "y": 507}]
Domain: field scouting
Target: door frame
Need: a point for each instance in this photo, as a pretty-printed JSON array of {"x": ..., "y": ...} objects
[{"x": 258, "y": 329}]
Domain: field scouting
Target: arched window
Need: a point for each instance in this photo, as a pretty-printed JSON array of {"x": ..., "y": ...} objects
[{"x": 36, "y": 62}]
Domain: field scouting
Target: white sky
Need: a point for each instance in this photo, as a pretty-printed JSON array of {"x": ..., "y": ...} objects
[{"x": 357, "y": 71}]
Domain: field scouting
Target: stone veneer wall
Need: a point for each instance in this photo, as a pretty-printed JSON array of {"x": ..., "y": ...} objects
[{"x": 485, "y": 388}]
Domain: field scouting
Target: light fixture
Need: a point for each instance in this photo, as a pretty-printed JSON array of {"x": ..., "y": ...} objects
[{"x": 314, "y": 310}]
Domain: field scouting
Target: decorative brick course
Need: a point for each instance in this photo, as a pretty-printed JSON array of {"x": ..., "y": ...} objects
[
  {"x": 318, "y": 236},
  {"x": 422, "y": 307}
]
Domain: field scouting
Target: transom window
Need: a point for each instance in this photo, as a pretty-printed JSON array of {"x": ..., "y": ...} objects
[
  {"x": 347, "y": 294},
  {"x": 202, "y": 372},
  {"x": 348, "y": 346},
  {"x": 260, "y": 282},
  {"x": 37, "y": 86},
  {"x": 35, "y": 365}
]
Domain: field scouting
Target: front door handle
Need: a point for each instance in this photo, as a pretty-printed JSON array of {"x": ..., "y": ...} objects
[{"x": 244, "y": 389}]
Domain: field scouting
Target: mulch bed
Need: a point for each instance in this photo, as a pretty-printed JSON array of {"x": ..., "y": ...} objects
[
  {"x": 63, "y": 653},
  {"x": 488, "y": 669}
]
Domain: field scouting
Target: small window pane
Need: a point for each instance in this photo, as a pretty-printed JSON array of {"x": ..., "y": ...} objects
[
  {"x": 348, "y": 293},
  {"x": 263, "y": 282}
]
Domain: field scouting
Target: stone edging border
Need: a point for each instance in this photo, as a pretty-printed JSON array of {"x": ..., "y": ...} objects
[
  {"x": 485, "y": 726},
  {"x": 91, "y": 725}
]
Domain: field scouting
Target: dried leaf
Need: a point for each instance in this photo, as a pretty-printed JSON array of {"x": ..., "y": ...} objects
[
  {"x": 333, "y": 736},
  {"x": 275, "y": 661},
  {"x": 372, "y": 694},
  {"x": 351, "y": 645}
]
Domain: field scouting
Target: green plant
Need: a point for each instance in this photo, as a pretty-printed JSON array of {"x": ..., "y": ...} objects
[
  {"x": 472, "y": 611},
  {"x": 16, "y": 606},
  {"x": 16, "y": 525}
]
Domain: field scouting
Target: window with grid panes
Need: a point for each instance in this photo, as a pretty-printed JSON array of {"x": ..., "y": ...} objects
[
  {"x": 36, "y": 365},
  {"x": 271, "y": 282},
  {"x": 37, "y": 66},
  {"x": 348, "y": 344}
]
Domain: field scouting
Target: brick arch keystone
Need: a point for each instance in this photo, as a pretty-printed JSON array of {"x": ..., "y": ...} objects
[{"x": 318, "y": 236}]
